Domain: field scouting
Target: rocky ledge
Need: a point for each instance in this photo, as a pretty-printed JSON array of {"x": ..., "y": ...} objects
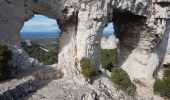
[{"x": 26, "y": 83}]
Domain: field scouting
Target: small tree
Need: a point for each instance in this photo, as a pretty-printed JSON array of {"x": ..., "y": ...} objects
[
  {"x": 88, "y": 68},
  {"x": 162, "y": 86},
  {"x": 167, "y": 72},
  {"x": 121, "y": 78},
  {"x": 5, "y": 57},
  {"x": 109, "y": 58},
  {"x": 158, "y": 86}
]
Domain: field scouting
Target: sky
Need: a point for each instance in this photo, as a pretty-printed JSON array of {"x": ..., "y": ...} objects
[
  {"x": 108, "y": 30},
  {"x": 39, "y": 25}
]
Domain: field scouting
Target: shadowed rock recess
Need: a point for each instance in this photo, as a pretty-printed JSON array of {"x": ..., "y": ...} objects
[{"x": 142, "y": 26}]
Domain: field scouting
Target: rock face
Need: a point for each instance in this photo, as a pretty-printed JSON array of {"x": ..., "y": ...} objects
[
  {"x": 27, "y": 82},
  {"x": 101, "y": 89},
  {"x": 109, "y": 43},
  {"x": 17, "y": 89},
  {"x": 142, "y": 27}
]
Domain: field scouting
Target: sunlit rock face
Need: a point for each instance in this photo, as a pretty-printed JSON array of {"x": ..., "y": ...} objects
[
  {"x": 142, "y": 27},
  {"x": 110, "y": 42}
]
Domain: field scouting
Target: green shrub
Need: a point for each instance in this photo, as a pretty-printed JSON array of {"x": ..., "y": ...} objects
[
  {"x": 167, "y": 72},
  {"x": 88, "y": 68},
  {"x": 158, "y": 86},
  {"x": 162, "y": 87},
  {"x": 109, "y": 58},
  {"x": 5, "y": 57},
  {"x": 121, "y": 78}
]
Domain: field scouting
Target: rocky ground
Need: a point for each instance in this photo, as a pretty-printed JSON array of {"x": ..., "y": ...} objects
[
  {"x": 68, "y": 89},
  {"x": 44, "y": 84},
  {"x": 78, "y": 89},
  {"x": 47, "y": 84},
  {"x": 27, "y": 81}
]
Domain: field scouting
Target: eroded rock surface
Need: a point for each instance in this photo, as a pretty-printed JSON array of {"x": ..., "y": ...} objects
[
  {"x": 101, "y": 89},
  {"x": 109, "y": 43},
  {"x": 142, "y": 27},
  {"x": 28, "y": 81}
]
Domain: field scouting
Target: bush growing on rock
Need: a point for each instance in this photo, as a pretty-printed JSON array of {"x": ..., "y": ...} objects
[
  {"x": 162, "y": 86},
  {"x": 88, "y": 68},
  {"x": 5, "y": 57},
  {"x": 121, "y": 78},
  {"x": 167, "y": 72},
  {"x": 158, "y": 86},
  {"x": 109, "y": 58}
]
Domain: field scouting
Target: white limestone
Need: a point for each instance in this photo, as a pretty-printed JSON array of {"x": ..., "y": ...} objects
[
  {"x": 109, "y": 43},
  {"x": 143, "y": 31}
]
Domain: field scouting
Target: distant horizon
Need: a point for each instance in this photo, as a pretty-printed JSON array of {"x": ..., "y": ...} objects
[
  {"x": 36, "y": 35},
  {"x": 43, "y": 27},
  {"x": 25, "y": 35}
]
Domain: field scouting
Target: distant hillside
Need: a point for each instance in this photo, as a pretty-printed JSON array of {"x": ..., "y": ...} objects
[
  {"x": 48, "y": 43},
  {"x": 30, "y": 35},
  {"x": 40, "y": 53}
]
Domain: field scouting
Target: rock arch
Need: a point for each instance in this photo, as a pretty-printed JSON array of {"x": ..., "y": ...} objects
[{"x": 82, "y": 23}]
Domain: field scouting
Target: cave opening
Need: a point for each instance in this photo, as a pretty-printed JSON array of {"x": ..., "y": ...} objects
[
  {"x": 109, "y": 43},
  {"x": 131, "y": 31},
  {"x": 109, "y": 38},
  {"x": 109, "y": 30},
  {"x": 40, "y": 39}
]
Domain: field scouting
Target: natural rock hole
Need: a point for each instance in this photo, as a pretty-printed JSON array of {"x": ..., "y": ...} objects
[
  {"x": 108, "y": 38},
  {"x": 142, "y": 27},
  {"x": 29, "y": 74},
  {"x": 40, "y": 39},
  {"x": 132, "y": 32}
]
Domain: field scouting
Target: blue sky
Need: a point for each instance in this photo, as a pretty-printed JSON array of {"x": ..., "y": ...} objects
[
  {"x": 42, "y": 24},
  {"x": 109, "y": 29}
]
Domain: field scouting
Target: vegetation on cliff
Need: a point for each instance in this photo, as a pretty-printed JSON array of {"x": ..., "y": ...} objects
[
  {"x": 121, "y": 78},
  {"x": 109, "y": 58},
  {"x": 162, "y": 86},
  {"x": 88, "y": 68},
  {"x": 167, "y": 72},
  {"x": 5, "y": 57},
  {"x": 118, "y": 75}
]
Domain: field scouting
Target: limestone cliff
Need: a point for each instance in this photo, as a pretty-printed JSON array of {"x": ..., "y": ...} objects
[
  {"x": 109, "y": 43},
  {"x": 142, "y": 27}
]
